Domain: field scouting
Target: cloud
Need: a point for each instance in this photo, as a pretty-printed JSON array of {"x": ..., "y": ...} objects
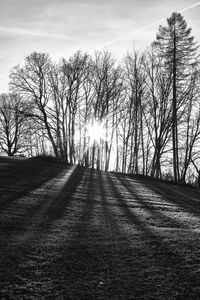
[
  {"x": 30, "y": 32},
  {"x": 62, "y": 27}
]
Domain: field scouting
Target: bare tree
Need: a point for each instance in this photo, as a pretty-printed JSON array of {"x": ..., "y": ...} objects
[
  {"x": 157, "y": 108},
  {"x": 13, "y": 124},
  {"x": 31, "y": 82},
  {"x": 135, "y": 91},
  {"x": 190, "y": 127}
]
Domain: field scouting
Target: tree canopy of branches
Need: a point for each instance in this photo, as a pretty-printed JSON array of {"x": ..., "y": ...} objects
[
  {"x": 13, "y": 124},
  {"x": 147, "y": 107}
]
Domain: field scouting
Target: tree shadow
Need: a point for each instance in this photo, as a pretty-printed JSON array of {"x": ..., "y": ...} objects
[
  {"x": 160, "y": 251},
  {"x": 157, "y": 212},
  {"x": 23, "y": 252},
  {"x": 89, "y": 263},
  {"x": 108, "y": 251},
  {"x": 115, "y": 252},
  {"x": 82, "y": 227},
  {"x": 188, "y": 199},
  {"x": 19, "y": 178},
  {"x": 44, "y": 212}
]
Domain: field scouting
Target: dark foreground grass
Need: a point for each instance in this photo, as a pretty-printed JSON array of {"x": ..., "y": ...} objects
[{"x": 73, "y": 233}]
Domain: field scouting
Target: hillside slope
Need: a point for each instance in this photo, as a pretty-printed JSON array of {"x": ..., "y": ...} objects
[{"x": 74, "y": 233}]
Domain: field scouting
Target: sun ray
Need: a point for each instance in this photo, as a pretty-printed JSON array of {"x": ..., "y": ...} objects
[{"x": 95, "y": 132}]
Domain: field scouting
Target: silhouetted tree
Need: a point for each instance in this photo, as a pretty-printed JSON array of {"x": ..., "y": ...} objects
[
  {"x": 135, "y": 85},
  {"x": 13, "y": 124},
  {"x": 31, "y": 82},
  {"x": 157, "y": 108},
  {"x": 178, "y": 50}
]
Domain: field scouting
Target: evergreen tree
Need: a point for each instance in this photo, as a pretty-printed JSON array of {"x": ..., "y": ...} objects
[{"x": 179, "y": 53}]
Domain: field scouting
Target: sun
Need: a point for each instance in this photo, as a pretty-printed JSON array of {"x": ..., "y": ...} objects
[{"x": 95, "y": 132}]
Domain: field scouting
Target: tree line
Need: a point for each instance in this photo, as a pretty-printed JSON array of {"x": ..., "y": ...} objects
[{"x": 148, "y": 105}]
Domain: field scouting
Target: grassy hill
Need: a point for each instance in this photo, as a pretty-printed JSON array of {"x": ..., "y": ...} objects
[{"x": 73, "y": 233}]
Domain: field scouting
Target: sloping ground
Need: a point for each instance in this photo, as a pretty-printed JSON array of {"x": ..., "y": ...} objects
[{"x": 75, "y": 233}]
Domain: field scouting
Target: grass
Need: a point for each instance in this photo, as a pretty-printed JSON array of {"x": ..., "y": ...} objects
[{"x": 74, "y": 233}]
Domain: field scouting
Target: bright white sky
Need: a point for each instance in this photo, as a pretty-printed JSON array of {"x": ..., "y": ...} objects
[{"x": 61, "y": 27}]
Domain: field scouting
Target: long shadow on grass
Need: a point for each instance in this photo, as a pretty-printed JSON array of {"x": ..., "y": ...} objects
[
  {"x": 157, "y": 215},
  {"x": 57, "y": 208},
  {"x": 109, "y": 260},
  {"x": 82, "y": 227},
  {"x": 19, "y": 184},
  {"x": 76, "y": 255},
  {"x": 105, "y": 259},
  {"x": 168, "y": 258},
  {"x": 134, "y": 219},
  {"x": 42, "y": 214},
  {"x": 177, "y": 195},
  {"x": 90, "y": 265},
  {"x": 69, "y": 196},
  {"x": 16, "y": 252}
]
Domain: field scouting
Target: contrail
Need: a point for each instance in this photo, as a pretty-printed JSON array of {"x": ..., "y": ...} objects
[
  {"x": 146, "y": 27},
  {"x": 189, "y": 7},
  {"x": 132, "y": 34},
  {"x": 30, "y": 32}
]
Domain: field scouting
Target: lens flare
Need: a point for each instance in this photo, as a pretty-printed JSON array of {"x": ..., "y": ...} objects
[{"x": 95, "y": 132}]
